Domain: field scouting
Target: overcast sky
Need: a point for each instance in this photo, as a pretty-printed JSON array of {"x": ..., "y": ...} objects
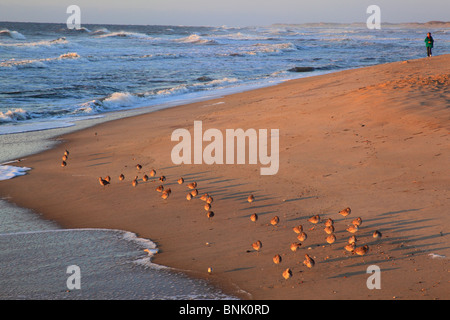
[{"x": 223, "y": 12}]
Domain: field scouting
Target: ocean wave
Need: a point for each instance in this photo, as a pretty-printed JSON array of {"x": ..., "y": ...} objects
[
  {"x": 266, "y": 48},
  {"x": 37, "y": 63},
  {"x": 9, "y": 172},
  {"x": 57, "y": 41},
  {"x": 12, "y": 34},
  {"x": 99, "y": 32},
  {"x": 196, "y": 39},
  {"x": 124, "y": 34},
  {"x": 14, "y": 115}
]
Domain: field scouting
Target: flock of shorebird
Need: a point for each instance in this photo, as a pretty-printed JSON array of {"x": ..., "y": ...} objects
[
  {"x": 329, "y": 229},
  {"x": 309, "y": 262}
]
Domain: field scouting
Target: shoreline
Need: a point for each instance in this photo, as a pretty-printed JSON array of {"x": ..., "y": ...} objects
[{"x": 106, "y": 145}]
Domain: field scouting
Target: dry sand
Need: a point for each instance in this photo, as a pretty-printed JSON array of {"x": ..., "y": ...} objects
[{"x": 374, "y": 139}]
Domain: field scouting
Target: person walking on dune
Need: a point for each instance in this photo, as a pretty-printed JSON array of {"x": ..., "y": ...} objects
[{"x": 429, "y": 41}]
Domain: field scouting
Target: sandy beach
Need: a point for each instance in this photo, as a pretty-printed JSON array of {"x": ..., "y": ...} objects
[{"x": 375, "y": 139}]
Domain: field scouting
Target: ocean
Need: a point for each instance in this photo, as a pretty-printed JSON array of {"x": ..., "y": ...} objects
[{"x": 54, "y": 80}]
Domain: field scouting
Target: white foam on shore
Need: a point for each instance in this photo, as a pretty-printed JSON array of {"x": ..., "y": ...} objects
[{"x": 9, "y": 172}]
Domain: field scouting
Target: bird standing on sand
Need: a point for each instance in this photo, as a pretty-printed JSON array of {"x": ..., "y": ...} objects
[
  {"x": 162, "y": 178},
  {"x": 152, "y": 173},
  {"x": 329, "y": 222},
  {"x": 314, "y": 219},
  {"x": 66, "y": 153},
  {"x": 180, "y": 181},
  {"x": 210, "y": 214},
  {"x": 207, "y": 206},
  {"x": 121, "y": 177},
  {"x": 194, "y": 192},
  {"x": 138, "y": 166},
  {"x": 102, "y": 182},
  {"x": 63, "y": 163},
  {"x": 357, "y": 221},
  {"x": 145, "y": 178},
  {"x": 165, "y": 194},
  {"x": 329, "y": 229},
  {"x": 192, "y": 185},
  {"x": 298, "y": 229},
  {"x": 64, "y": 158},
  {"x": 352, "y": 239},
  {"x": 309, "y": 262},
  {"x": 188, "y": 196},
  {"x": 204, "y": 197},
  {"x": 302, "y": 236},
  {"x": 350, "y": 247},
  {"x": 209, "y": 200},
  {"x": 108, "y": 178},
  {"x": 331, "y": 238},
  {"x": 294, "y": 246},
  {"x": 277, "y": 259},
  {"x": 345, "y": 212},
  {"x": 287, "y": 273},
  {"x": 352, "y": 228},
  {"x": 254, "y": 217},
  {"x": 135, "y": 181},
  {"x": 361, "y": 251},
  {"x": 275, "y": 220},
  {"x": 376, "y": 234},
  {"x": 250, "y": 198},
  {"x": 160, "y": 188},
  {"x": 257, "y": 245}
]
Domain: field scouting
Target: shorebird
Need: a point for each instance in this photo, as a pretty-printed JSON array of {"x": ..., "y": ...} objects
[
  {"x": 329, "y": 222},
  {"x": 64, "y": 158},
  {"x": 180, "y": 181},
  {"x": 361, "y": 251},
  {"x": 63, "y": 163},
  {"x": 192, "y": 185},
  {"x": 274, "y": 221},
  {"x": 189, "y": 196},
  {"x": 298, "y": 229},
  {"x": 331, "y": 238},
  {"x": 160, "y": 188},
  {"x": 250, "y": 198},
  {"x": 287, "y": 273},
  {"x": 209, "y": 270},
  {"x": 108, "y": 178},
  {"x": 121, "y": 177},
  {"x": 138, "y": 166},
  {"x": 314, "y": 219},
  {"x": 207, "y": 206},
  {"x": 357, "y": 221},
  {"x": 277, "y": 259},
  {"x": 352, "y": 228},
  {"x": 66, "y": 153},
  {"x": 257, "y": 245},
  {"x": 145, "y": 178},
  {"x": 135, "y": 182},
  {"x": 376, "y": 234},
  {"x": 302, "y": 236},
  {"x": 194, "y": 192},
  {"x": 165, "y": 194},
  {"x": 152, "y": 173},
  {"x": 329, "y": 229},
  {"x": 103, "y": 182},
  {"x": 209, "y": 200},
  {"x": 352, "y": 239},
  {"x": 309, "y": 262},
  {"x": 204, "y": 197},
  {"x": 350, "y": 247},
  {"x": 294, "y": 246},
  {"x": 254, "y": 217},
  {"x": 162, "y": 178},
  {"x": 169, "y": 191},
  {"x": 210, "y": 214},
  {"x": 345, "y": 212}
]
